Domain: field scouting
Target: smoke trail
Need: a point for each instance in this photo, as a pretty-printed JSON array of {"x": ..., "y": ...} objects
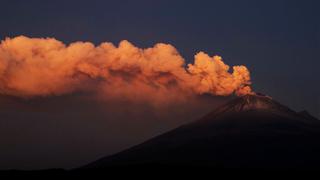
[{"x": 31, "y": 67}]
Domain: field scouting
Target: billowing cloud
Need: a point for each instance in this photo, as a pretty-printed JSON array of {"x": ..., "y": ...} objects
[{"x": 31, "y": 67}]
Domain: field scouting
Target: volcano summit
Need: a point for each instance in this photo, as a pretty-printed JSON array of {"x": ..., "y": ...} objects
[{"x": 252, "y": 131}]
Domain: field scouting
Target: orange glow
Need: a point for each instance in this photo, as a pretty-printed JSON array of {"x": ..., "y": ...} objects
[{"x": 32, "y": 67}]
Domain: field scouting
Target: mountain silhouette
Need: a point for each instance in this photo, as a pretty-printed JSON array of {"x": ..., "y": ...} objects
[{"x": 252, "y": 131}]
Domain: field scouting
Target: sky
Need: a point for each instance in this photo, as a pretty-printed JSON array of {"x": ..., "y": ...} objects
[{"x": 278, "y": 40}]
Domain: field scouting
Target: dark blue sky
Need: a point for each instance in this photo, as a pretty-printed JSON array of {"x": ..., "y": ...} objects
[{"x": 278, "y": 40}]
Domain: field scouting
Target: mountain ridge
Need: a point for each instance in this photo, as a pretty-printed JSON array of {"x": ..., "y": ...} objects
[{"x": 249, "y": 131}]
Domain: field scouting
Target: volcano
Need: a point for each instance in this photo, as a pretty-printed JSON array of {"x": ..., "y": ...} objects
[{"x": 252, "y": 131}]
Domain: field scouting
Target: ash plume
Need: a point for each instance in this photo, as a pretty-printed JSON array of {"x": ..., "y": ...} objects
[{"x": 33, "y": 67}]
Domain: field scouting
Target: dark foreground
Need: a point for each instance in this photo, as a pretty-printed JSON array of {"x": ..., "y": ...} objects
[
  {"x": 251, "y": 135},
  {"x": 160, "y": 171}
]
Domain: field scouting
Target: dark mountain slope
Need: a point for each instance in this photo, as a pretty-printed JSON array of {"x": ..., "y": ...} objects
[{"x": 252, "y": 131}]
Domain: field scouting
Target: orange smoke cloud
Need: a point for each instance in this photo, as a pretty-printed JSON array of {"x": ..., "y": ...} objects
[{"x": 32, "y": 67}]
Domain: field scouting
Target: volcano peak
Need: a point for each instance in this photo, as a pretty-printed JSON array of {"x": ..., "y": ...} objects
[
  {"x": 256, "y": 101},
  {"x": 253, "y": 102}
]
